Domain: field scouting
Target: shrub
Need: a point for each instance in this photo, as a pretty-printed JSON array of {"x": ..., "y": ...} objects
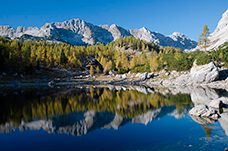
[{"x": 203, "y": 59}]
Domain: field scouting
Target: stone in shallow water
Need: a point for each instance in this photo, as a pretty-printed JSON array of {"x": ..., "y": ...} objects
[{"x": 204, "y": 111}]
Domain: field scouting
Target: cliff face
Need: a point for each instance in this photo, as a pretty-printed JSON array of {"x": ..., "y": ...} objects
[
  {"x": 77, "y": 31},
  {"x": 220, "y": 35}
]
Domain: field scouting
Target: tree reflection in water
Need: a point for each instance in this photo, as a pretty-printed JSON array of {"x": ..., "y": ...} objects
[{"x": 55, "y": 104}]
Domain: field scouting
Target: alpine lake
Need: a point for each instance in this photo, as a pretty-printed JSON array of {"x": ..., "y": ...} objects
[{"x": 112, "y": 118}]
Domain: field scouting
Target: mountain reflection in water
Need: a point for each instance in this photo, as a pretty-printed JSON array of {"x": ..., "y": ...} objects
[{"x": 78, "y": 111}]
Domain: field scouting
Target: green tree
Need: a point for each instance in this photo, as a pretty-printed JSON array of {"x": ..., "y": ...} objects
[
  {"x": 133, "y": 62},
  {"x": 153, "y": 64},
  {"x": 203, "y": 40},
  {"x": 63, "y": 58}
]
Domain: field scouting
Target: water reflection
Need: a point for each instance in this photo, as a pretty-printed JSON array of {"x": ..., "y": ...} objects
[{"x": 77, "y": 111}]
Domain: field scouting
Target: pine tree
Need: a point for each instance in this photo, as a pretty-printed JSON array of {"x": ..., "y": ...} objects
[
  {"x": 203, "y": 38},
  {"x": 63, "y": 58}
]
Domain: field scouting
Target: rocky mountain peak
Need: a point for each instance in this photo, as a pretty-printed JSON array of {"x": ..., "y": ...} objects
[
  {"x": 220, "y": 36},
  {"x": 225, "y": 15},
  {"x": 76, "y": 31}
]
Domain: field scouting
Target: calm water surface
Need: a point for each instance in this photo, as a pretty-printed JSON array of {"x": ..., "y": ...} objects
[{"x": 90, "y": 118}]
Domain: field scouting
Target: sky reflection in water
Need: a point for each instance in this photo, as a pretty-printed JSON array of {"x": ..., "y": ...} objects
[{"x": 100, "y": 119}]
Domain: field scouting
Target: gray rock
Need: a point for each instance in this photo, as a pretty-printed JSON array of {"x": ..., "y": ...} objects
[
  {"x": 138, "y": 74},
  {"x": 143, "y": 76},
  {"x": 124, "y": 76},
  {"x": 150, "y": 75},
  {"x": 167, "y": 73},
  {"x": 216, "y": 104},
  {"x": 226, "y": 80},
  {"x": 150, "y": 90},
  {"x": 204, "y": 111},
  {"x": 111, "y": 72},
  {"x": 175, "y": 73},
  {"x": 204, "y": 73},
  {"x": 183, "y": 79},
  {"x": 118, "y": 76}
]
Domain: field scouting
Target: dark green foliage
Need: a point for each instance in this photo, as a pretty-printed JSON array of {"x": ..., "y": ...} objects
[
  {"x": 122, "y": 71},
  {"x": 136, "y": 44},
  {"x": 221, "y": 54},
  {"x": 142, "y": 68},
  {"x": 203, "y": 59},
  {"x": 26, "y": 56},
  {"x": 63, "y": 58},
  {"x": 113, "y": 66},
  {"x": 181, "y": 64}
]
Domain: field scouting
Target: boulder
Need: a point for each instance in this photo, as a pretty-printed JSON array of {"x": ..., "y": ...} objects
[
  {"x": 124, "y": 76},
  {"x": 138, "y": 74},
  {"x": 167, "y": 73},
  {"x": 111, "y": 72},
  {"x": 204, "y": 111},
  {"x": 118, "y": 76},
  {"x": 143, "y": 76},
  {"x": 150, "y": 75},
  {"x": 204, "y": 73},
  {"x": 216, "y": 104},
  {"x": 183, "y": 80},
  {"x": 175, "y": 73},
  {"x": 220, "y": 102}
]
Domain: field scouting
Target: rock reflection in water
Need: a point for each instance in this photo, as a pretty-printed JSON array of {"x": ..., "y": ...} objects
[
  {"x": 81, "y": 110},
  {"x": 204, "y": 95}
]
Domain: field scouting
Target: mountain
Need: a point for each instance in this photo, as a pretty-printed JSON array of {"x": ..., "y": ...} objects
[
  {"x": 81, "y": 123},
  {"x": 77, "y": 31},
  {"x": 220, "y": 35}
]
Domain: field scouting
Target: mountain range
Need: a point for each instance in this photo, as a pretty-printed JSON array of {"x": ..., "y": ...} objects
[{"x": 79, "y": 32}]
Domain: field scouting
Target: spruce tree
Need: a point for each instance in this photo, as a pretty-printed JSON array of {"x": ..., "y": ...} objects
[{"x": 63, "y": 58}]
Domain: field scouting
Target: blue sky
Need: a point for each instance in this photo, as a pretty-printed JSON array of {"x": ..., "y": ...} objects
[{"x": 164, "y": 16}]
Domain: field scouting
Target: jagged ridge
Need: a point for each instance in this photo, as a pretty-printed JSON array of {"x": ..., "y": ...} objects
[{"x": 77, "y": 31}]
